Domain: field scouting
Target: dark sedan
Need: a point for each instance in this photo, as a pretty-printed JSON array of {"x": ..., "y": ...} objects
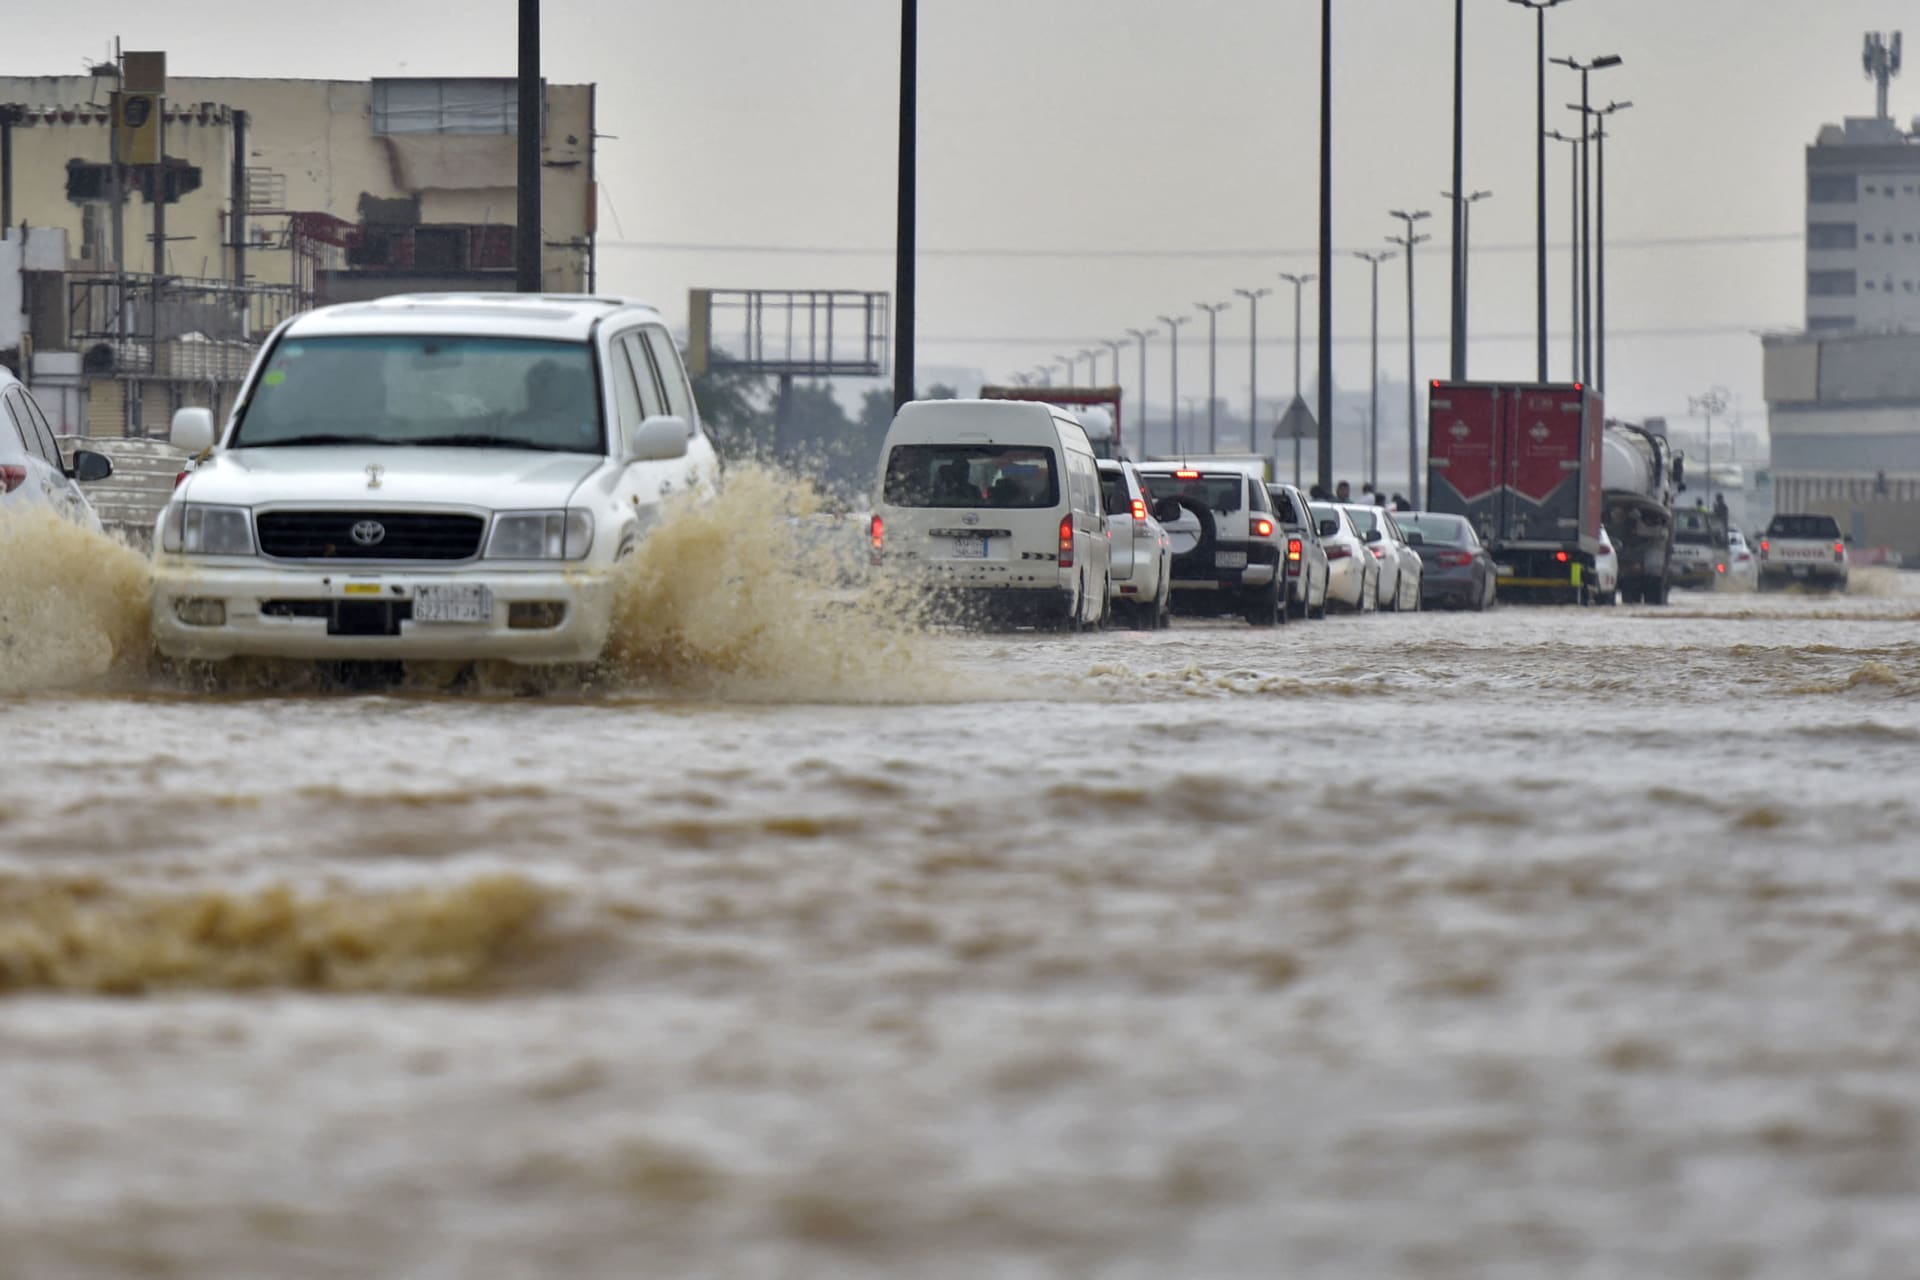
[{"x": 1459, "y": 572}]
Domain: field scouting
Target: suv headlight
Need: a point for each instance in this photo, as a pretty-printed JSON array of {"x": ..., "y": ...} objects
[
  {"x": 197, "y": 529},
  {"x": 541, "y": 535}
]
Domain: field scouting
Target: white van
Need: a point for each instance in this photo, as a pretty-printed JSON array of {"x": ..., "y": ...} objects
[{"x": 998, "y": 503}]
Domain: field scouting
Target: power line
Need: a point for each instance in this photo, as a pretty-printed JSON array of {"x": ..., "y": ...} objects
[
  {"x": 1644, "y": 243},
  {"x": 1692, "y": 331}
]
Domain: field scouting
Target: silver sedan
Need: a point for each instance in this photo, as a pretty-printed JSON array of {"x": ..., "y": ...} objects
[{"x": 1353, "y": 580}]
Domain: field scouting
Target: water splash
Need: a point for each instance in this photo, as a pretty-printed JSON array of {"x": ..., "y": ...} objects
[{"x": 73, "y": 605}]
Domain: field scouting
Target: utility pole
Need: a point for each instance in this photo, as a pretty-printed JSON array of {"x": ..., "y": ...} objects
[
  {"x": 1707, "y": 405},
  {"x": 1586, "y": 206},
  {"x": 1408, "y": 242},
  {"x": 1324, "y": 444},
  {"x": 1141, "y": 336},
  {"x": 1457, "y": 352},
  {"x": 1253, "y": 297},
  {"x": 1373, "y": 261},
  {"x": 1573, "y": 251},
  {"x": 1213, "y": 310},
  {"x": 904, "y": 199},
  {"x": 526, "y": 235},
  {"x": 1600, "y": 240},
  {"x": 1463, "y": 207},
  {"x": 1173, "y": 324},
  {"x": 1297, "y": 281},
  {"x": 1540, "y": 8}
]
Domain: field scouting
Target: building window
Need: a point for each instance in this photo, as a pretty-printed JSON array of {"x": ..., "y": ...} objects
[
  {"x": 1830, "y": 322},
  {"x": 1827, "y": 188},
  {"x": 1869, "y": 237},
  {"x": 402, "y": 107},
  {"x": 1831, "y": 235},
  {"x": 1831, "y": 284},
  {"x": 1869, "y": 286},
  {"x": 1871, "y": 189}
]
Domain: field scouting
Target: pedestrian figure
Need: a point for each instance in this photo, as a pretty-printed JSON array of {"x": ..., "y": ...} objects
[{"x": 1343, "y": 492}]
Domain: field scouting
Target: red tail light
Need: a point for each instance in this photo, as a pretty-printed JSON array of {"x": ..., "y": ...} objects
[
  {"x": 1764, "y": 544},
  {"x": 1455, "y": 559},
  {"x": 1293, "y": 549},
  {"x": 877, "y": 535},
  {"x": 179, "y": 476},
  {"x": 1338, "y": 553},
  {"x": 12, "y": 478},
  {"x": 1719, "y": 568},
  {"x": 1066, "y": 542},
  {"x": 1263, "y": 528},
  {"x": 1186, "y": 475},
  {"x": 1839, "y": 548},
  {"x": 1139, "y": 509},
  {"x": 1561, "y": 556}
]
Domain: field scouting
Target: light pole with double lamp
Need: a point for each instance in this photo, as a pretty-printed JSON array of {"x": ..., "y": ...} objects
[
  {"x": 1540, "y": 8},
  {"x": 1573, "y": 251},
  {"x": 1408, "y": 242},
  {"x": 1213, "y": 310},
  {"x": 1373, "y": 260},
  {"x": 1298, "y": 282},
  {"x": 1173, "y": 324},
  {"x": 1586, "y": 208},
  {"x": 1066, "y": 362},
  {"x": 1462, "y": 262},
  {"x": 1600, "y": 115},
  {"x": 1114, "y": 345},
  {"x": 1253, "y": 297},
  {"x": 1142, "y": 336}
]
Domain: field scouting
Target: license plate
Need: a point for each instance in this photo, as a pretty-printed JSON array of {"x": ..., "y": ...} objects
[
  {"x": 1801, "y": 571},
  {"x": 1503, "y": 570},
  {"x": 462, "y": 602},
  {"x": 970, "y": 548},
  {"x": 1230, "y": 560}
]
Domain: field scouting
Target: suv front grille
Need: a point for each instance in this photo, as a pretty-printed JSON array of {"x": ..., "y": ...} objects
[{"x": 404, "y": 535}]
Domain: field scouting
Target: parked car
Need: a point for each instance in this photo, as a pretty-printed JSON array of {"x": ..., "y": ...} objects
[
  {"x": 1400, "y": 564},
  {"x": 1743, "y": 566},
  {"x": 1226, "y": 541},
  {"x": 1804, "y": 549},
  {"x": 1604, "y": 586},
  {"x": 1142, "y": 553},
  {"x": 1459, "y": 571},
  {"x": 1354, "y": 581},
  {"x": 434, "y": 476},
  {"x": 996, "y": 504},
  {"x": 32, "y": 473},
  {"x": 1308, "y": 575}
]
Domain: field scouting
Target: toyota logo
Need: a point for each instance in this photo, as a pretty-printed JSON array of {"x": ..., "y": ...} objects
[
  {"x": 368, "y": 533},
  {"x": 971, "y": 517}
]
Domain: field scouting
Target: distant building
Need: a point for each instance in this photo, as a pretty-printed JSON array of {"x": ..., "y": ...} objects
[{"x": 275, "y": 195}]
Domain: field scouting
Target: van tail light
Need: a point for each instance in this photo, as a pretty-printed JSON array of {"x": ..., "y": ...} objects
[
  {"x": 12, "y": 478},
  {"x": 1293, "y": 549},
  {"x": 1140, "y": 509},
  {"x": 1066, "y": 542},
  {"x": 877, "y": 536},
  {"x": 1455, "y": 559},
  {"x": 1263, "y": 528},
  {"x": 1338, "y": 552}
]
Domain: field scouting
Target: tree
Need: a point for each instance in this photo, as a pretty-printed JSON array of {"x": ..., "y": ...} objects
[{"x": 734, "y": 405}]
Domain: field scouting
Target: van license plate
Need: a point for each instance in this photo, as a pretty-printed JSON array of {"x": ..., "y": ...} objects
[
  {"x": 970, "y": 548},
  {"x": 449, "y": 602},
  {"x": 1230, "y": 560}
]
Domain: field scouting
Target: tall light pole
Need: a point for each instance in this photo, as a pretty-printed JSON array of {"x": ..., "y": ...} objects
[
  {"x": 1573, "y": 252},
  {"x": 1407, "y": 242},
  {"x": 526, "y": 231},
  {"x": 1586, "y": 207},
  {"x": 1213, "y": 310},
  {"x": 1540, "y": 8},
  {"x": 1600, "y": 241},
  {"x": 1324, "y": 445},
  {"x": 1373, "y": 260},
  {"x": 903, "y": 242},
  {"x": 1114, "y": 345},
  {"x": 1297, "y": 281},
  {"x": 1173, "y": 324},
  {"x": 1714, "y": 401},
  {"x": 1457, "y": 345},
  {"x": 1142, "y": 336},
  {"x": 1463, "y": 261},
  {"x": 1253, "y": 297},
  {"x": 1067, "y": 363},
  {"x": 1092, "y": 358}
]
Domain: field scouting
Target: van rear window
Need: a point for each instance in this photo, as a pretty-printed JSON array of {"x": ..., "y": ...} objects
[{"x": 972, "y": 475}]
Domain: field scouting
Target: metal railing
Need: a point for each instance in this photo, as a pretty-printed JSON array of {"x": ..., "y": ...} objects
[{"x": 173, "y": 328}]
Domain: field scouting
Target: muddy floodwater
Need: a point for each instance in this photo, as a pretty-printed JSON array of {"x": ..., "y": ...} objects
[{"x": 1541, "y": 943}]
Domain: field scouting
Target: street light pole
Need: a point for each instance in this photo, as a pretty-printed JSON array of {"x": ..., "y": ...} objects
[
  {"x": 1173, "y": 324},
  {"x": 1540, "y": 8},
  {"x": 1463, "y": 263},
  {"x": 1297, "y": 281},
  {"x": 1600, "y": 241},
  {"x": 1092, "y": 358},
  {"x": 1373, "y": 260},
  {"x": 1323, "y": 447},
  {"x": 1253, "y": 297},
  {"x": 904, "y": 244},
  {"x": 1714, "y": 401},
  {"x": 1213, "y": 310},
  {"x": 1141, "y": 336},
  {"x": 1067, "y": 362},
  {"x": 1407, "y": 242},
  {"x": 1586, "y": 206},
  {"x": 1457, "y": 362},
  {"x": 1573, "y": 251}
]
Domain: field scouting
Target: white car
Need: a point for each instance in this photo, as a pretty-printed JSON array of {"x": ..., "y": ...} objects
[
  {"x": 1228, "y": 545},
  {"x": 1743, "y": 567},
  {"x": 439, "y": 476},
  {"x": 1400, "y": 564},
  {"x": 1142, "y": 564},
  {"x": 32, "y": 473},
  {"x": 1353, "y": 578},
  {"x": 1604, "y": 586}
]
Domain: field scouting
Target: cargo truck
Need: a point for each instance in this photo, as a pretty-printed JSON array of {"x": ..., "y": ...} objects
[{"x": 1522, "y": 462}]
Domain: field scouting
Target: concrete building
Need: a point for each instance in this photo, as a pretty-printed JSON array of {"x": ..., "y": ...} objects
[{"x": 273, "y": 196}]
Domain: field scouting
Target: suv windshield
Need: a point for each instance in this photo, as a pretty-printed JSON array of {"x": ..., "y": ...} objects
[
  {"x": 1820, "y": 528},
  {"x": 511, "y": 393},
  {"x": 971, "y": 475},
  {"x": 1221, "y": 494}
]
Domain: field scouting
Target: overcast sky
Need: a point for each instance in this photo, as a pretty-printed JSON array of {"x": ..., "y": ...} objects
[{"x": 1166, "y": 152}]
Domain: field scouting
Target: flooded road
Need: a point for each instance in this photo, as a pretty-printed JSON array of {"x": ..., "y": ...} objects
[{"x": 1539, "y": 943}]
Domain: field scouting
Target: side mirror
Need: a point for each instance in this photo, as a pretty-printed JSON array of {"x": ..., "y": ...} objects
[
  {"x": 1373, "y": 535},
  {"x": 1167, "y": 511},
  {"x": 1680, "y": 472},
  {"x": 1415, "y": 538},
  {"x": 1848, "y": 539},
  {"x": 89, "y": 466},
  {"x": 658, "y": 439},
  {"x": 1329, "y": 528},
  {"x": 192, "y": 430}
]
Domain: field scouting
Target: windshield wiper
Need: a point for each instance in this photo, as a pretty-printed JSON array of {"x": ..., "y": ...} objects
[
  {"x": 477, "y": 440},
  {"x": 319, "y": 438}
]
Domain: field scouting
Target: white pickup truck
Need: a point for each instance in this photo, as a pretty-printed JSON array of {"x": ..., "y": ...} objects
[{"x": 1803, "y": 549}]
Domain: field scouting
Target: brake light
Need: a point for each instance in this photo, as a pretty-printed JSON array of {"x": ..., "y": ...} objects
[
  {"x": 877, "y": 535},
  {"x": 1293, "y": 548},
  {"x": 1764, "y": 544},
  {"x": 1263, "y": 528},
  {"x": 1561, "y": 556},
  {"x": 1719, "y": 568},
  {"x": 179, "y": 476},
  {"x": 1066, "y": 542},
  {"x": 1139, "y": 509},
  {"x": 12, "y": 478},
  {"x": 1339, "y": 553},
  {"x": 1839, "y": 548},
  {"x": 1455, "y": 559},
  {"x": 1186, "y": 475}
]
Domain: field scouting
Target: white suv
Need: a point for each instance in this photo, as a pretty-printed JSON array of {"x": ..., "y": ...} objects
[
  {"x": 440, "y": 476},
  {"x": 1226, "y": 542}
]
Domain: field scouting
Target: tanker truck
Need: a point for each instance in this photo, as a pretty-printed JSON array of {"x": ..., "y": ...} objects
[{"x": 1639, "y": 474}]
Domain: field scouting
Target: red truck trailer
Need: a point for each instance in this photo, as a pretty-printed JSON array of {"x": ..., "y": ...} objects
[{"x": 1521, "y": 460}]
